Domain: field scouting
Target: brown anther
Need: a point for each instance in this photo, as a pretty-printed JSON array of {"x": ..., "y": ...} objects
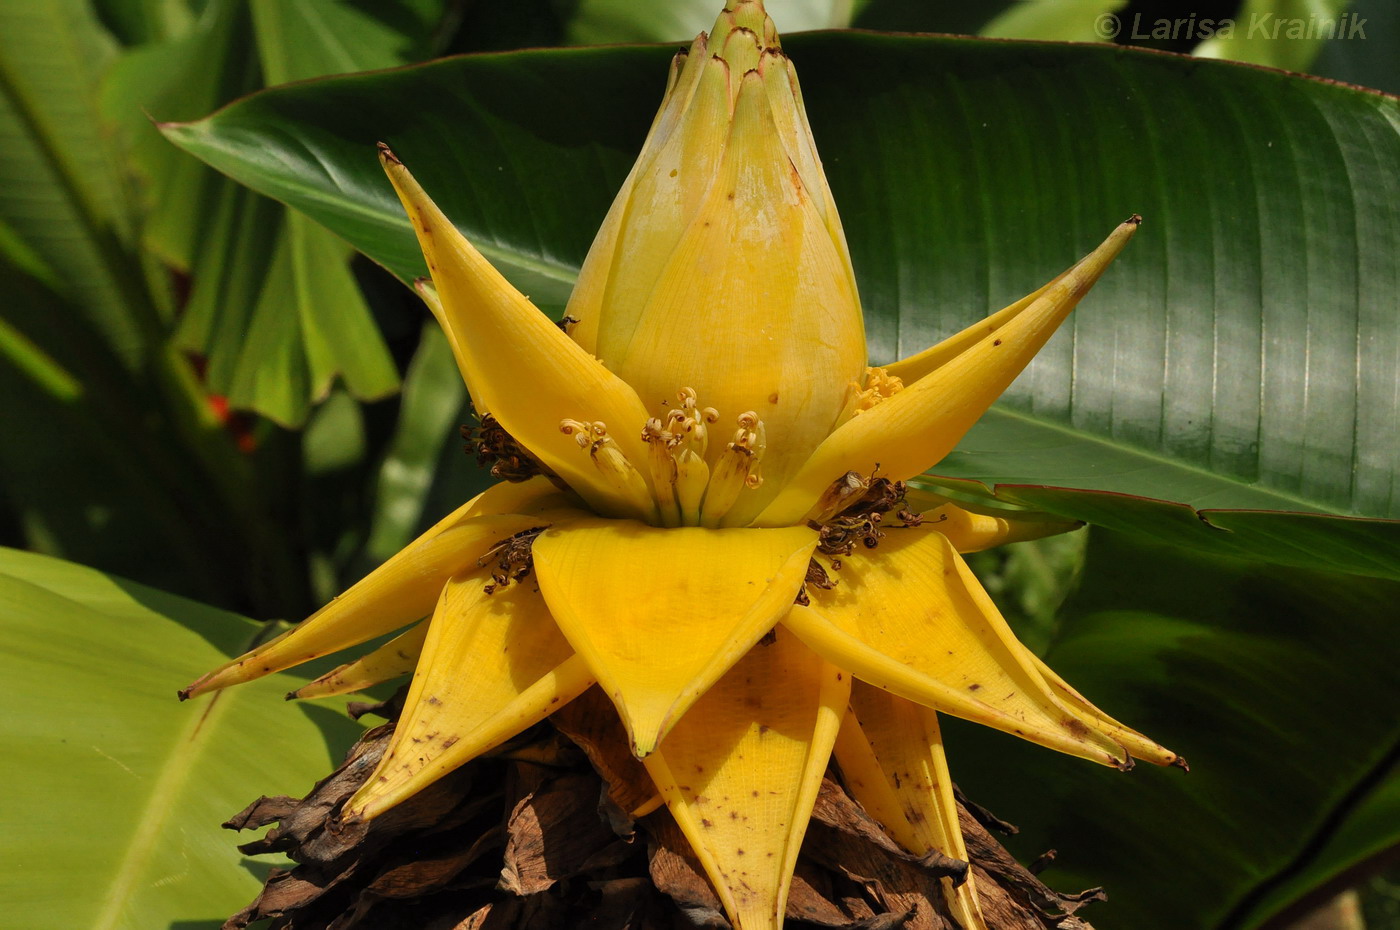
[
  {"x": 816, "y": 578},
  {"x": 857, "y": 506},
  {"x": 514, "y": 558},
  {"x": 494, "y": 447},
  {"x": 653, "y": 430}
]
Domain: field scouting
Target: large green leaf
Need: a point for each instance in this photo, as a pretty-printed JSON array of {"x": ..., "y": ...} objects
[
  {"x": 62, "y": 194},
  {"x": 1277, "y": 685},
  {"x": 1350, "y": 847},
  {"x": 114, "y": 790},
  {"x": 1242, "y": 355},
  {"x": 1064, "y": 20},
  {"x": 274, "y": 308}
]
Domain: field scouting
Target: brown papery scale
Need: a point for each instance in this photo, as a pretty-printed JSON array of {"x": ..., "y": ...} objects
[{"x": 533, "y": 838}]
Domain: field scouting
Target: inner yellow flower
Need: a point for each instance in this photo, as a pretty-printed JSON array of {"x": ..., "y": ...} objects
[{"x": 705, "y": 513}]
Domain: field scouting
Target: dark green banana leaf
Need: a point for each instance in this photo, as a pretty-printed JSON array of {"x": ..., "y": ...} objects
[{"x": 1278, "y": 685}]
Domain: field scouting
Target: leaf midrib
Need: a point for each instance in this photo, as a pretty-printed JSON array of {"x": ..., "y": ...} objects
[{"x": 175, "y": 771}]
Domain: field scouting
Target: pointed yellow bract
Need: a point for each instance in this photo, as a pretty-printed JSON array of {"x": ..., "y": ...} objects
[
  {"x": 1140, "y": 746},
  {"x": 741, "y": 772},
  {"x": 660, "y": 614},
  {"x": 892, "y": 759},
  {"x": 392, "y": 660},
  {"x": 914, "y": 367},
  {"x": 654, "y": 207},
  {"x": 917, "y": 427},
  {"x": 518, "y": 365},
  {"x": 726, "y": 271},
  {"x": 395, "y": 594},
  {"x": 752, "y": 324},
  {"x": 916, "y": 622},
  {"x": 492, "y": 665},
  {"x": 973, "y": 532}
]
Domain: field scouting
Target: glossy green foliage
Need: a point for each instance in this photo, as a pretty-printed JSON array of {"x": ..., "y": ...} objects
[
  {"x": 115, "y": 791},
  {"x": 1275, "y": 683}
]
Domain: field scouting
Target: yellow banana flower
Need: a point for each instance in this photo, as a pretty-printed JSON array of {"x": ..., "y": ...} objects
[{"x": 708, "y": 518}]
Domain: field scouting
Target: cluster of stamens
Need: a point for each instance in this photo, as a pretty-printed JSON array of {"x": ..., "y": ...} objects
[
  {"x": 879, "y": 385},
  {"x": 851, "y": 513},
  {"x": 494, "y": 447},
  {"x": 689, "y": 490},
  {"x": 686, "y": 488},
  {"x": 514, "y": 558}
]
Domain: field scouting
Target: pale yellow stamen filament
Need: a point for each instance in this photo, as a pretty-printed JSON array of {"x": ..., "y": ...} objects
[
  {"x": 736, "y": 469},
  {"x": 676, "y": 449},
  {"x": 684, "y": 490},
  {"x": 664, "y": 470},
  {"x": 692, "y": 477},
  {"x": 620, "y": 474}
]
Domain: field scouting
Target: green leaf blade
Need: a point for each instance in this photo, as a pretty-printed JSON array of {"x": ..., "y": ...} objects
[
  {"x": 115, "y": 787},
  {"x": 61, "y": 190}
]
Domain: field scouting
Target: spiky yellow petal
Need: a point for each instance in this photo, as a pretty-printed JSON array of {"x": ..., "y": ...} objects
[
  {"x": 741, "y": 772},
  {"x": 973, "y": 532},
  {"x": 1140, "y": 746},
  {"x": 914, "y": 367},
  {"x": 660, "y": 614},
  {"x": 915, "y": 428},
  {"x": 492, "y": 665},
  {"x": 915, "y": 621},
  {"x": 395, "y": 594},
  {"x": 892, "y": 760},
  {"x": 395, "y": 658},
  {"x": 519, "y": 366}
]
